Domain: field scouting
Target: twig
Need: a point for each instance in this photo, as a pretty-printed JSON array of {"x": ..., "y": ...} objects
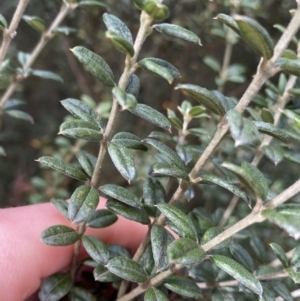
[{"x": 10, "y": 33}]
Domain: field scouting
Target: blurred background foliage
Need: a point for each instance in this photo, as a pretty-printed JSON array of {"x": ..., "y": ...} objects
[{"x": 22, "y": 181}]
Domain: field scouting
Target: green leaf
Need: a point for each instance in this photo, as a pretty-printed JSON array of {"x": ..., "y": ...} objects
[
  {"x": 61, "y": 206},
  {"x": 92, "y": 4},
  {"x": 3, "y": 22},
  {"x": 121, "y": 194},
  {"x": 83, "y": 203},
  {"x": 63, "y": 167},
  {"x": 185, "y": 152},
  {"x": 255, "y": 35},
  {"x": 161, "y": 68},
  {"x": 80, "y": 294},
  {"x": 166, "y": 151},
  {"x": 55, "y": 287},
  {"x": 227, "y": 185},
  {"x": 294, "y": 275},
  {"x": 157, "y": 11},
  {"x": 120, "y": 43},
  {"x": 266, "y": 116},
  {"x": 282, "y": 291},
  {"x": 291, "y": 66},
  {"x": 95, "y": 64},
  {"x": 46, "y": 75},
  {"x": 64, "y": 30},
  {"x": 2, "y": 152},
  {"x": 242, "y": 256},
  {"x": 82, "y": 111},
  {"x": 274, "y": 153},
  {"x": 133, "y": 86},
  {"x": 238, "y": 272},
  {"x": 123, "y": 160},
  {"x": 127, "y": 269},
  {"x": 129, "y": 212},
  {"x": 160, "y": 239},
  {"x": 151, "y": 115},
  {"x": 179, "y": 219},
  {"x": 116, "y": 26},
  {"x": 80, "y": 129},
  {"x": 292, "y": 158},
  {"x": 139, "y": 4},
  {"x": 154, "y": 294},
  {"x": 164, "y": 169},
  {"x": 126, "y": 101},
  {"x": 185, "y": 251},
  {"x": 36, "y": 23},
  {"x": 272, "y": 130},
  {"x": 183, "y": 286},
  {"x": 147, "y": 261},
  {"x": 279, "y": 252},
  {"x": 196, "y": 111},
  {"x": 101, "y": 219},
  {"x": 212, "y": 233},
  {"x": 204, "y": 96},
  {"x": 177, "y": 32},
  {"x": 12, "y": 103},
  {"x": 153, "y": 194},
  {"x": 19, "y": 115},
  {"x": 87, "y": 161},
  {"x": 295, "y": 260},
  {"x": 229, "y": 21},
  {"x": 59, "y": 235},
  {"x": 292, "y": 115},
  {"x": 251, "y": 177},
  {"x": 212, "y": 63},
  {"x": 129, "y": 140},
  {"x": 174, "y": 119},
  {"x": 102, "y": 274},
  {"x": 96, "y": 249},
  {"x": 242, "y": 130},
  {"x": 288, "y": 222}
]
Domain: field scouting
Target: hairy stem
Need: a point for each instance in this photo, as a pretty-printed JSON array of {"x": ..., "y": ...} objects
[{"x": 10, "y": 33}]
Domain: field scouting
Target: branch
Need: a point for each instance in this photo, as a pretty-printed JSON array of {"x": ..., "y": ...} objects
[{"x": 10, "y": 33}]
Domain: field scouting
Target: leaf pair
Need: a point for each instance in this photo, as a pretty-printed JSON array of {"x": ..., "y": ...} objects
[{"x": 157, "y": 11}]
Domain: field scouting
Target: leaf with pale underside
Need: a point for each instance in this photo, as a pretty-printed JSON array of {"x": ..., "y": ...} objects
[
  {"x": 165, "y": 169},
  {"x": 46, "y": 75},
  {"x": 279, "y": 252},
  {"x": 290, "y": 66},
  {"x": 272, "y": 130},
  {"x": 275, "y": 153},
  {"x": 229, "y": 21},
  {"x": 92, "y": 4},
  {"x": 123, "y": 160},
  {"x": 36, "y": 23},
  {"x": 238, "y": 272},
  {"x": 120, "y": 43},
  {"x": 126, "y": 101}
]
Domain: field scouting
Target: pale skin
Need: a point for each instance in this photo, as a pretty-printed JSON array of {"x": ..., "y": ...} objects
[{"x": 26, "y": 260}]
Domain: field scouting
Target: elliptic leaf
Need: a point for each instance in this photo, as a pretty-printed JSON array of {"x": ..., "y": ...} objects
[
  {"x": 179, "y": 219},
  {"x": 123, "y": 160},
  {"x": 282, "y": 291},
  {"x": 82, "y": 111},
  {"x": 242, "y": 130},
  {"x": 3, "y": 22},
  {"x": 212, "y": 63},
  {"x": 255, "y": 35},
  {"x": 96, "y": 249},
  {"x": 227, "y": 185},
  {"x": 133, "y": 86},
  {"x": 177, "y": 32},
  {"x": 147, "y": 261},
  {"x": 121, "y": 194},
  {"x": 129, "y": 212},
  {"x": 229, "y": 21},
  {"x": 46, "y": 75},
  {"x": 213, "y": 232},
  {"x": 116, "y": 26},
  {"x": 160, "y": 239},
  {"x": 295, "y": 260},
  {"x": 183, "y": 286},
  {"x": 120, "y": 43},
  {"x": 63, "y": 167},
  {"x": 238, "y": 272},
  {"x": 92, "y": 4},
  {"x": 80, "y": 129},
  {"x": 164, "y": 169},
  {"x": 64, "y": 30},
  {"x": 129, "y": 140},
  {"x": 279, "y": 252},
  {"x": 101, "y": 219},
  {"x": 20, "y": 115},
  {"x": 168, "y": 152},
  {"x": 12, "y": 103},
  {"x": 87, "y": 161},
  {"x": 102, "y": 274},
  {"x": 83, "y": 203},
  {"x": 291, "y": 66},
  {"x": 154, "y": 294},
  {"x": 126, "y": 101},
  {"x": 95, "y": 64},
  {"x": 61, "y": 206},
  {"x": 160, "y": 67},
  {"x": 127, "y": 269},
  {"x": 80, "y": 294},
  {"x": 174, "y": 119},
  {"x": 292, "y": 115},
  {"x": 272, "y": 130},
  {"x": 185, "y": 251},
  {"x": 36, "y": 23},
  {"x": 266, "y": 116},
  {"x": 274, "y": 153},
  {"x": 151, "y": 115},
  {"x": 55, "y": 287},
  {"x": 242, "y": 256},
  {"x": 59, "y": 235}
]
